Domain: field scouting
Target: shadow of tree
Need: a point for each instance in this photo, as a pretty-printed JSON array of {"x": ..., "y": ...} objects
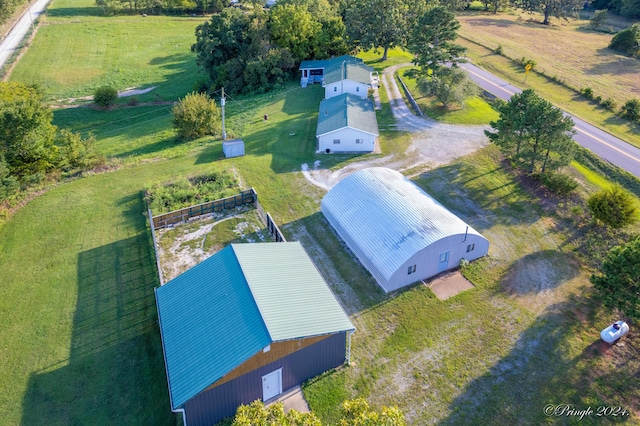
[
  {"x": 115, "y": 373},
  {"x": 543, "y": 370}
]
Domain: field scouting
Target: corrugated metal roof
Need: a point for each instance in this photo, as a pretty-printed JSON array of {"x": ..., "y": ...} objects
[
  {"x": 385, "y": 218},
  {"x": 210, "y": 324},
  {"x": 221, "y": 312},
  {"x": 323, "y": 63},
  {"x": 338, "y": 70},
  {"x": 346, "y": 110},
  {"x": 293, "y": 298}
]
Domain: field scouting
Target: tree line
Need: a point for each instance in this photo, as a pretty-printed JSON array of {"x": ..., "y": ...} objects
[{"x": 31, "y": 146}]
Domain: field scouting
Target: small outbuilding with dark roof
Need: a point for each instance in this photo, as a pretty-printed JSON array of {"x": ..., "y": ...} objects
[
  {"x": 398, "y": 232},
  {"x": 248, "y": 323}
]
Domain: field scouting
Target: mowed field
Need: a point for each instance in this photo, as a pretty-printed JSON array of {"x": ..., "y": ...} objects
[
  {"x": 567, "y": 50},
  {"x": 77, "y": 50},
  {"x": 79, "y": 341}
]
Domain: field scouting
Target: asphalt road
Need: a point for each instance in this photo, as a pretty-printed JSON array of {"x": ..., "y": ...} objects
[
  {"x": 601, "y": 143},
  {"x": 20, "y": 29}
]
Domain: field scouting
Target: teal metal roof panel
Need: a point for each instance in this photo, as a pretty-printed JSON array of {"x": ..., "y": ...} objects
[
  {"x": 347, "y": 70},
  {"x": 346, "y": 110},
  {"x": 323, "y": 63},
  {"x": 210, "y": 324},
  {"x": 386, "y": 218},
  {"x": 293, "y": 298}
]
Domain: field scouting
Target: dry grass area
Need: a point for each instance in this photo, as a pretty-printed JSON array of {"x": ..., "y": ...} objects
[{"x": 567, "y": 50}]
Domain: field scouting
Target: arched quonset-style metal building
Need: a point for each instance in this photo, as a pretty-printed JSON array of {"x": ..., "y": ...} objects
[{"x": 398, "y": 231}]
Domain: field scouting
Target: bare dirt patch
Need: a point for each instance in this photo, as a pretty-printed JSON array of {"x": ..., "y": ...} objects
[{"x": 184, "y": 246}]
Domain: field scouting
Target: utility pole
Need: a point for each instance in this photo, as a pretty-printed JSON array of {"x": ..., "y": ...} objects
[{"x": 223, "y": 101}]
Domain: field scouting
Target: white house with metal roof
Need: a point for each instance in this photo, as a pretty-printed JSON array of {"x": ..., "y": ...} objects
[
  {"x": 248, "y": 323},
  {"x": 343, "y": 74},
  {"x": 346, "y": 123},
  {"x": 398, "y": 232}
]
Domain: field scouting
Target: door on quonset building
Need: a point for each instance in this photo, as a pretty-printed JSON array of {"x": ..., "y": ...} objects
[{"x": 443, "y": 261}]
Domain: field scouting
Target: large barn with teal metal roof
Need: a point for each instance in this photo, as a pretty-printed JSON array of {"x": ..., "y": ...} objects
[
  {"x": 248, "y": 323},
  {"x": 398, "y": 232}
]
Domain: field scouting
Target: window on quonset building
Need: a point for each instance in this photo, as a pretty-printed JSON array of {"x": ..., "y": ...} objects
[
  {"x": 470, "y": 247},
  {"x": 411, "y": 269},
  {"x": 336, "y": 141}
]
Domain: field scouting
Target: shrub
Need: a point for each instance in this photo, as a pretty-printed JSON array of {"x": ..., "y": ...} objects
[
  {"x": 597, "y": 99},
  {"x": 627, "y": 41},
  {"x": 631, "y": 110},
  {"x": 587, "y": 92},
  {"x": 598, "y": 18},
  {"x": 195, "y": 116},
  {"x": 524, "y": 61},
  {"x": 609, "y": 104},
  {"x": 614, "y": 207},
  {"x": 76, "y": 153},
  {"x": 105, "y": 96},
  {"x": 499, "y": 50},
  {"x": 558, "y": 183}
]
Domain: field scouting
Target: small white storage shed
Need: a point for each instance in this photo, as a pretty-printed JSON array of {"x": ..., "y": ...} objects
[
  {"x": 233, "y": 148},
  {"x": 398, "y": 231}
]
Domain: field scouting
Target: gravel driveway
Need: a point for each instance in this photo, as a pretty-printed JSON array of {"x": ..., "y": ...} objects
[{"x": 432, "y": 144}]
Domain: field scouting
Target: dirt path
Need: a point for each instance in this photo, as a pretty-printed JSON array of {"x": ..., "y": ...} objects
[{"x": 432, "y": 143}]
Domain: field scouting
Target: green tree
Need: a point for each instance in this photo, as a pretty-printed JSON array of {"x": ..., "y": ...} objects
[
  {"x": 451, "y": 86},
  {"x": 627, "y": 41},
  {"x": 548, "y": 8},
  {"x": 105, "y": 96},
  {"x": 294, "y": 28},
  {"x": 619, "y": 283},
  {"x": 533, "y": 133},
  {"x": 598, "y": 18},
  {"x": 631, "y": 110},
  {"x": 630, "y": 9},
  {"x": 256, "y": 414},
  {"x": 26, "y": 132},
  {"x": 76, "y": 152},
  {"x": 613, "y": 206},
  {"x": 378, "y": 24},
  {"x": 195, "y": 116},
  {"x": 9, "y": 185},
  {"x": 431, "y": 40},
  {"x": 358, "y": 413},
  {"x": 220, "y": 40}
]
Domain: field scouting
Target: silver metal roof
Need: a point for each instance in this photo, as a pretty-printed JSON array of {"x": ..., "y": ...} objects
[{"x": 385, "y": 218}]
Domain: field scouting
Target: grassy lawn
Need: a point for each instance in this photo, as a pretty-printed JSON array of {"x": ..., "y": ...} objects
[
  {"x": 78, "y": 50},
  {"x": 78, "y": 327},
  {"x": 585, "y": 62},
  {"x": 476, "y": 109},
  {"x": 525, "y": 336}
]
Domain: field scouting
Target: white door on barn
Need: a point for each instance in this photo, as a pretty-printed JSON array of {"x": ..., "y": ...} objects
[{"x": 272, "y": 384}]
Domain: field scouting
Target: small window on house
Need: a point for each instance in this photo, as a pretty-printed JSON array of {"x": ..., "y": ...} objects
[
  {"x": 411, "y": 269},
  {"x": 470, "y": 247},
  {"x": 335, "y": 88},
  {"x": 358, "y": 140},
  {"x": 336, "y": 141}
]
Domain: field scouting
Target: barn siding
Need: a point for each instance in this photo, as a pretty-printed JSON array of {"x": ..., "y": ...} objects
[
  {"x": 213, "y": 405},
  {"x": 346, "y": 86},
  {"x": 347, "y": 136}
]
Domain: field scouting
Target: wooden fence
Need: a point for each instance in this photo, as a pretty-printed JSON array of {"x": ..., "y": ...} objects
[
  {"x": 270, "y": 224},
  {"x": 183, "y": 215}
]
